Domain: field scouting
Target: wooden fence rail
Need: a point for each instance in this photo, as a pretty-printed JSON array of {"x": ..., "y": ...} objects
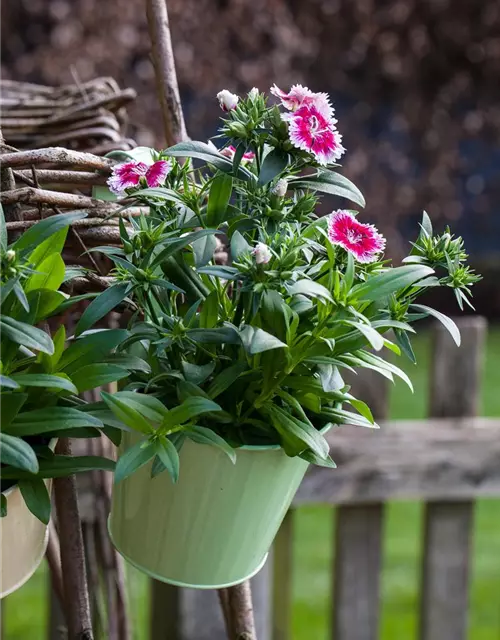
[{"x": 448, "y": 461}]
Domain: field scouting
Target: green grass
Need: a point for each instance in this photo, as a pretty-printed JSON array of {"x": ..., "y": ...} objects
[{"x": 26, "y": 610}]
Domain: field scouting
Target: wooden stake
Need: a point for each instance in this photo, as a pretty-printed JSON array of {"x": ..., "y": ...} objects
[{"x": 166, "y": 77}]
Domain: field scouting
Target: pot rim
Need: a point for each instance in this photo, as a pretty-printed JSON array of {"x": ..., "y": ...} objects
[{"x": 7, "y": 492}]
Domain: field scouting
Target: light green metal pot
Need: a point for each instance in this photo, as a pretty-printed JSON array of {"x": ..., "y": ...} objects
[
  {"x": 23, "y": 541},
  {"x": 213, "y": 528}
]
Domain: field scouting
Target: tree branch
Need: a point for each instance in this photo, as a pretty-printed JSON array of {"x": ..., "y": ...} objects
[
  {"x": 55, "y": 155},
  {"x": 53, "y": 176},
  {"x": 32, "y": 195},
  {"x": 76, "y": 596},
  {"x": 166, "y": 78},
  {"x": 240, "y": 606}
]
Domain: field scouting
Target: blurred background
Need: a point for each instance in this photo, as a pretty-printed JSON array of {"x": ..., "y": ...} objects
[{"x": 416, "y": 87}]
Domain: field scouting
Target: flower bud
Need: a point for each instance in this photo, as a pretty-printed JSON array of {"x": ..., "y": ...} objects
[
  {"x": 237, "y": 130},
  {"x": 227, "y": 100},
  {"x": 10, "y": 255},
  {"x": 280, "y": 188},
  {"x": 253, "y": 93},
  {"x": 262, "y": 253}
]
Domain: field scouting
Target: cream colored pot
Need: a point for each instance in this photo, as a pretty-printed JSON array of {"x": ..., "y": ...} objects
[{"x": 23, "y": 540}]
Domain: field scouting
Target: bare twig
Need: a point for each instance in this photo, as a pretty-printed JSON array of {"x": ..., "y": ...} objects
[
  {"x": 166, "y": 78},
  {"x": 53, "y": 176},
  {"x": 241, "y": 611},
  {"x": 108, "y": 210},
  {"x": 7, "y": 183},
  {"x": 32, "y": 195},
  {"x": 76, "y": 597},
  {"x": 86, "y": 222},
  {"x": 55, "y": 155}
]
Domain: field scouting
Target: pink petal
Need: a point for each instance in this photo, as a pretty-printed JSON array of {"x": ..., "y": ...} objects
[
  {"x": 362, "y": 240},
  {"x": 126, "y": 175},
  {"x": 315, "y": 133},
  {"x": 228, "y": 152},
  {"x": 157, "y": 172}
]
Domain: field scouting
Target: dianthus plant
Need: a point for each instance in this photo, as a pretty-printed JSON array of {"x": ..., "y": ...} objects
[{"x": 248, "y": 307}]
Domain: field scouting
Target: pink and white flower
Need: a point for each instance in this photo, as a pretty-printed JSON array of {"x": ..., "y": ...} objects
[
  {"x": 157, "y": 172},
  {"x": 362, "y": 240},
  {"x": 310, "y": 130},
  {"x": 128, "y": 175},
  {"x": 230, "y": 150},
  {"x": 227, "y": 100},
  {"x": 262, "y": 253},
  {"x": 299, "y": 96}
]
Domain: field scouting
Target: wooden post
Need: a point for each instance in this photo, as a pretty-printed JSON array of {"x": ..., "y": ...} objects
[
  {"x": 358, "y": 541},
  {"x": 166, "y": 77},
  {"x": 455, "y": 387}
]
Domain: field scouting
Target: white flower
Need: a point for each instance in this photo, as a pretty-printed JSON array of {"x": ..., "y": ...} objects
[
  {"x": 280, "y": 188},
  {"x": 227, "y": 100},
  {"x": 262, "y": 253},
  {"x": 10, "y": 255},
  {"x": 253, "y": 93}
]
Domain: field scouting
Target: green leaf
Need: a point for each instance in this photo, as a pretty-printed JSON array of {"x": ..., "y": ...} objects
[
  {"x": 202, "y": 435},
  {"x": 273, "y": 311},
  {"x": 256, "y": 340},
  {"x": 46, "y": 302},
  {"x": 218, "y": 199},
  {"x": 90, "y": 348},
  {"x": 203, "y": 250},
  {"x": 310, "y": 456},
  {"x": 124, "y": 409},
  {"x": 17, "y": 453},
  {"x": 51, "y": 419},
  {"x": 196, "y": 373},
  {"x": 219, "y": 271},
  {"x": 341, "y": 416},
  {"x": 330, "y": 182},
  {"x": 167, "y": 453},
  {"x": 3, "y": 230},
  {"x": 390, "y": 281},
  {"x": 11, "y": 403},
  {"x": 219, "y": 335},
  {"x": 134, "y": 458},
  {"x": 25, "y": 335},
  {"x": 37, "y": 498},
  {"x": 225, "y": 379},
  {"x": 426, "y": 224},
  {"x": 444, "y": 320},
  {"x": 47, "y": 227},
  {"x": 176, "y": 244},
  {"x": 274, "y": 163},
  {"x": 202, "y": 151},
  {"x": 54, "y": 244},
  {"x": 404, "y": 342},
  {"x": 331, "y": 380},
  {"x": 129, "y": 362},
  {"x": 21, "y": 296},
  {"x": 191, "y": 408},
  {"x": 286, "y": 424},
  {"x": 45, "y": 380},
  {"x": 371, "y": 358},
  {"x": 209, "y": 314},
  {"x": 102, "y": 305},
  {"x": 373, "y": 337},
  {"x": 149, "y": 406},
  {"x": 60, "y": 466},
  {"x": 309, "y": 288},
  {"x": 8, "y": 383},
  {"x": 239, "y": 246},
  {"x": 97, "y": 375}
]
